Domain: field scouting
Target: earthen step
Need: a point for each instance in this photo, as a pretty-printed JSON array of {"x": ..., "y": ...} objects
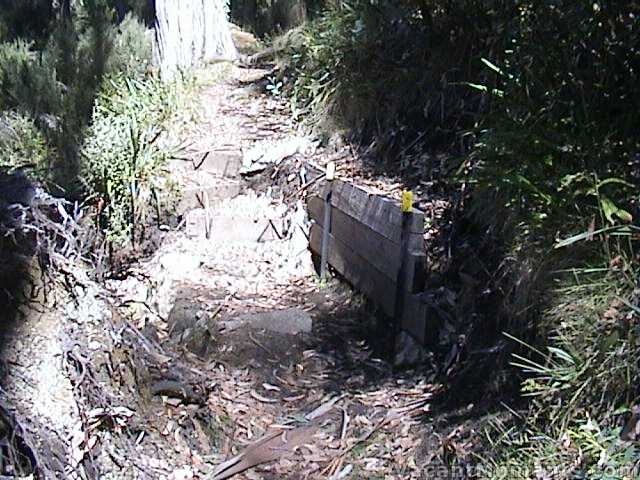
[
  {"x": 207, "y": 223},
  {"x": 197, "y": 196},
  {"x": 220, "y": 163}
]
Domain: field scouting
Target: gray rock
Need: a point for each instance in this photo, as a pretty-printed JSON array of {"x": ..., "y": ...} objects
[
  {"x": 291, "y": 321},
  {"x": 224, "y": 164},
  {"x": 180, "y": 264},
  {"x": 192, "y": 327},
  {"x": 272, "y": 153}
]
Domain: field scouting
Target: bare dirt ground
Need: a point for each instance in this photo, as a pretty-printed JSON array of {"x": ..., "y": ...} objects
[{"x": 221, "y": 355}]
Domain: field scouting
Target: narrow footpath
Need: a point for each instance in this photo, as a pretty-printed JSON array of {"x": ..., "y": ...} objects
[{"x": 222, "y": 355}]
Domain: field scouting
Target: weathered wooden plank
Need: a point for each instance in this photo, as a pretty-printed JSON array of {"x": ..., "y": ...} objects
[
  {"x": 381, "y": 214},
  {"x": 374, "y": 284},
  {"x": 357, "y": 271},
  {"x": 379, "y": 251}
]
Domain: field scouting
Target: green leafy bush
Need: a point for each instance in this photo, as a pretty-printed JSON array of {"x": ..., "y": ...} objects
[
  {"x": 122, "y": 159},
  {"x": 393, "y": 71},
  {"x": 26, "y": 19},
  {"x": 56, "y": 77},
  {"x": 132, "y": 53},
  {"x": 562, "y": 137},
  {"x": 547, "y": 89},
  {"x": 22, "y": 144},
  {"x": 584, "y": 382},
  {"x": 265, "y": 17},
  {"x": 584, "y": 450},
  {"x": 27, "y": 80},
  {"x": 558, "y": 152}
]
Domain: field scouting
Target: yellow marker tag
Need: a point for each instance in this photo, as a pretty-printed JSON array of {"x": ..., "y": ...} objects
[
  {"x": 331, "y": 170},
  {"x": 407, "y": 201}
]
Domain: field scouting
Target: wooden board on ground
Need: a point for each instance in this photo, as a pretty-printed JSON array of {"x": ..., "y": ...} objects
[
  {"x": 414, "y": 318},
  {"x": 221, "y": 163},
  {"x": 383, "y": 215}
]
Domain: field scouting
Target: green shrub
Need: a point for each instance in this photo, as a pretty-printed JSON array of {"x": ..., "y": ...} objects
[
  {"x": 27, "y": 80},
  {"x": 26, "y": 19},
  {"x": 559, "y": 152},
  {"x": 122, "y": 160},
  {"x": 114, "y": 49},
  {"x": 58, "y": 85},
  {"x": 132, "y": 53},
  {"x": 266, "y": 17},
  {"x": 581, "y": 384},
  {"x": 395, "y": 72},
  {"x": 22, "y": 144},
  {"x": 584, "y": 450},
  {"x": 88, "y": 115},
  {"x": 560, "y": 145},
  {"x": 582, "y": 377}
]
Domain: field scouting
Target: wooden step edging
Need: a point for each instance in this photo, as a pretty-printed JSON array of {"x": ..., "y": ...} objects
[{"x": 373, "y": 245}]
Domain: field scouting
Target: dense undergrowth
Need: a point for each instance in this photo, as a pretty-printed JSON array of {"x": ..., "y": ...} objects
[
  {"x": 83, "y": 113},
  {"x": 266, "y": 17},
  {"x": 535, "y": 108}
]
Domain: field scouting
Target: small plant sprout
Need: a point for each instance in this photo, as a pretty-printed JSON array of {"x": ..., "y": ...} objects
[{"x": 274, "y": 87}]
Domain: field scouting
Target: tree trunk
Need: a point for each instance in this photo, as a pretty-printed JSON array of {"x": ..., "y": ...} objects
[{"x": 190, "y": 33}]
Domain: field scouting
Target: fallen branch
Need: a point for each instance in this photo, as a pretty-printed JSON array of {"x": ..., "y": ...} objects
[
  {"x": 267, "y": 449},
  {"x": 309, "y": 183}
]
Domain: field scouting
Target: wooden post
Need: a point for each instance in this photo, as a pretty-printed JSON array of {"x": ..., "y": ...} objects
[
  {"x": 403, "y": 273},
  {"x": 326, "y": 231}
]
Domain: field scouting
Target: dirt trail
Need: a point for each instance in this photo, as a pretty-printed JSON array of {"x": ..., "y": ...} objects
[{"x": 221, "y": 354}]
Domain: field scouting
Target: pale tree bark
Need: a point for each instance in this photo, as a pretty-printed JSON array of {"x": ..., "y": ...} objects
[{"x": 190, "y": 33}]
